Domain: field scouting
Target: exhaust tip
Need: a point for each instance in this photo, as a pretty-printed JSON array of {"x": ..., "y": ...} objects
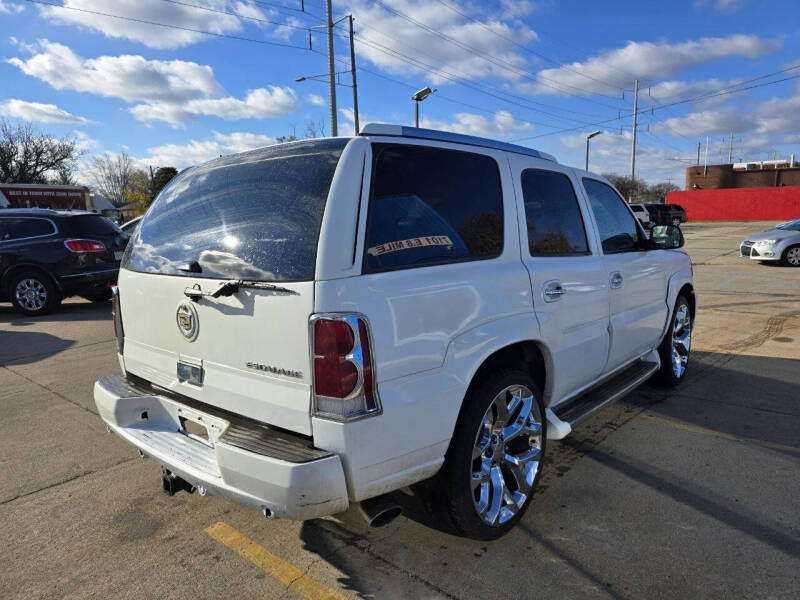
[{"x": 380, "y": 511}]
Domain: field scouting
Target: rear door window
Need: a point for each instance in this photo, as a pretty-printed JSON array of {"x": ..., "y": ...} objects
[
  {"x": 24, "y": 227},
  {"x": 555, "y": 224},
  {"x": 432, "y": 206},
  {"x": 252, "y": 216}
]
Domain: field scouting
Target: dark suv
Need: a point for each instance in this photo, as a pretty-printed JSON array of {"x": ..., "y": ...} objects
[
  {"x": 48, "y": 255},
  {"x": 666, "y": 214}
]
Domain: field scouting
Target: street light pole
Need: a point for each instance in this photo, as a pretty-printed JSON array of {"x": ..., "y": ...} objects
[
  {"x": 588, "y": 137},
  {"x": 417, "y": 98}
]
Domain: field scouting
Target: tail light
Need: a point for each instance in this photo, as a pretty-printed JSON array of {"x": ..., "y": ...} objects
[
  {"x": 116, "y": 317},
  {"x": 344, "y": 385},
  {"x": 85, "y": 246}
]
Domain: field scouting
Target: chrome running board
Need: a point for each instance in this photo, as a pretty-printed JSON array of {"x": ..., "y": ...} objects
[{"x": 576, "y": 411}]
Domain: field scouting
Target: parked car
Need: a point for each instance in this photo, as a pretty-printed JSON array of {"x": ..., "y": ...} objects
[
  {"x": 677, "y": 215},
  {"x": 316, "y": 324},
  {"x": 640, "y": 212},
  {"x": 666, "y": 214},
  {"x": 780, "y": 243},
  {"x": 48, "y": 255}
]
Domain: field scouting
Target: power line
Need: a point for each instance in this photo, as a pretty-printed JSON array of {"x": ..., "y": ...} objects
[
  {"x": 526, "y": 49},
  {"x": 170, "y": 26},
  {"x": 487, "y": 57},
  {"x": 700, "y": 97},
  {"x": 237, "y": 15}
]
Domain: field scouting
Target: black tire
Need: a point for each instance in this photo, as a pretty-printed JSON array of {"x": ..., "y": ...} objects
[
  {"x": 101, "y": 296},
  {"x": 451, "y": 492},
  {"x": 44, "y": 295},
  {"x": 670, "y": 375},
  {"x": 786, "y": 261}
]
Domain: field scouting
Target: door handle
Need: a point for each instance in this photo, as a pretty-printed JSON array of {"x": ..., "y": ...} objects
[
  {"x": 553, "y": 291},
  {"x": 616, "y": 281}
]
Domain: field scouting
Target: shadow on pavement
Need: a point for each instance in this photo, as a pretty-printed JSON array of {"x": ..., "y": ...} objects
[
  {"x": 23, "y": 347},
  {"x": 68, "y": 311}
]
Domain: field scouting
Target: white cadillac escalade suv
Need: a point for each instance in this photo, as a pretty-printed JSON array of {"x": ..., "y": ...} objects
[{"x": 319, "y": 323}]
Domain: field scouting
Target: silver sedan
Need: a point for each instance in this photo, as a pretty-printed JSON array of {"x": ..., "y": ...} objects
[{"x": 782, "y": 243}]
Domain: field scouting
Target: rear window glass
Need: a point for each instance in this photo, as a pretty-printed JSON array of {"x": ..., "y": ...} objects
[
  {"x": 93, "y": 225},
  {"x": 431, "y": 206},
  {"x": 250, "y": 216},
  {"x": 14, "y": 229}
]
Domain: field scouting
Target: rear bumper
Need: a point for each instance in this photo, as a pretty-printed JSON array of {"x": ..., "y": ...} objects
[
  {"x": 88, "y": 281},
  {"x": 244, "y": 462}
]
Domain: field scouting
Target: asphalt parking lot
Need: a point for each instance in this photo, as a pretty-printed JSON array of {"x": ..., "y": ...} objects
[{"x": 687, "y": 494}]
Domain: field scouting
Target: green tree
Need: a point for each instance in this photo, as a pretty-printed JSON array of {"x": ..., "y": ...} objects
[
  {"x": 137, "y": 192},
  {"x": 161, "y": 178}
]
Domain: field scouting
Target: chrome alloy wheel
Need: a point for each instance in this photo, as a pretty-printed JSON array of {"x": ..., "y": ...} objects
[
  {"x": 681, "y": 340},
  {"x": 793, "y": 256},
  {"x": 31, "y": 294},
  {"x": 506, "y": 454}
]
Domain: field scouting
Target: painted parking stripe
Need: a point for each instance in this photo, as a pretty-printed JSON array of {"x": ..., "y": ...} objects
[
  {"x": 289, "y": 575},
  {"x": 705, "y": 431}
]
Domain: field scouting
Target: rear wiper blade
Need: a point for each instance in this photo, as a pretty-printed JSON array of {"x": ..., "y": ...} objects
[{"x": 231, "y": 287}]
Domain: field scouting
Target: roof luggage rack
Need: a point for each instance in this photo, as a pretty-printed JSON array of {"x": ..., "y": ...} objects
[{"x": 446, "y": 136}]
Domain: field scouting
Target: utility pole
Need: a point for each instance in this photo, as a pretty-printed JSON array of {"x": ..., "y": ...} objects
[
  {"x": 698, "y": 153},
  {"x": 331, "y": 72},
  {"x": 730, "y": 150},
  {"x": 705, "y": 160},
  {"x": 353, "y": 70},
  {"x": 635, "y": 118}
]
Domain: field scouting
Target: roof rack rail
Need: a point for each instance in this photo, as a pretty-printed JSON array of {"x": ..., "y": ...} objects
[{"x": 446, "y": 136}]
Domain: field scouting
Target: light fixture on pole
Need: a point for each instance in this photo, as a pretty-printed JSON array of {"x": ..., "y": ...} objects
[
  {"x": 417, "y": 98},
  {"x": 588, "y": 137}
]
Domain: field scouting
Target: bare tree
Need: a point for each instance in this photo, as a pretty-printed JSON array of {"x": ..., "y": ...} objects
[
  {"x": 30, "y": 157},
  {"x": 112, "y": 174}
]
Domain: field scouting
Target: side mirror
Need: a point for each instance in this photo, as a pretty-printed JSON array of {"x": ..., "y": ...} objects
[{"x": 666, "y": 237}]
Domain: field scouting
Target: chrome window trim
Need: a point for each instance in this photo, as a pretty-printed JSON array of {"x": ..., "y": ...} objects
[{"x": 32, "y": 237}]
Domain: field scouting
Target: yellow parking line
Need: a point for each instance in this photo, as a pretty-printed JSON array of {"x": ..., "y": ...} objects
[
  {"x": 704, "y": 431},
  {"x": 295, "y": 579}
]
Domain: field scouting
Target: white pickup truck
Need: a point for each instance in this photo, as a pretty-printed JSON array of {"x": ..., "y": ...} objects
[{"x": 319, "y": 323}]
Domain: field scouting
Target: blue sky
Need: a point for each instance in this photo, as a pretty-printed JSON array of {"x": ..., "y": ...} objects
[{"x": 543, "y": 73}]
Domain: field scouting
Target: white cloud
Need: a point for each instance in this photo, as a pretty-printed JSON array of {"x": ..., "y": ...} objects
[
  {"x": 36, "y": 111},
  {"x": 502, "y": 125},
  {"x": 611, "y": 153},
  {"x": 774, "y": 116},
  {"x": 172, "y": 91},
  {"x": 260, "y": 103},
  {"x": 10, "y": 8},
  {"x": 196, "y": 152},
  {"x": 155, "y": 11},
  {"x": 707, "y": 122},
  {"x": 722, "y": 6},
  {"x": 515, "y": 9},
  {"x": 404, "y": 37},
  {"x": 648, "y": 60},
  {"x": 316, "y": 100},
  {"x": 85, "y": 142}
]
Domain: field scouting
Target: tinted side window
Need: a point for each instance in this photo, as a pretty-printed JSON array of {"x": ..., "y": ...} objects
[
  {"x": 555, "y": 225},
  {"x": 13, "y": 229},
  {"x": 431, "y": 205},
  {"x": 617, "y": 226}
]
